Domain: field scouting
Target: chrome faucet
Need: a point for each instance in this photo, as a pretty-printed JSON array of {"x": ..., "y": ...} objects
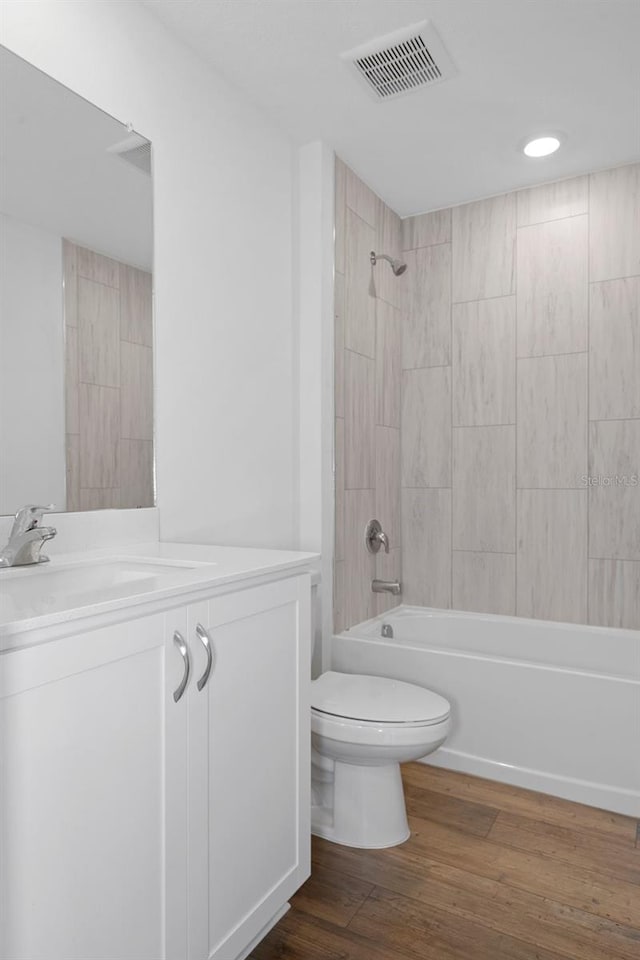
[
  {"x": 393, "y": 587},
  {"x": 375, "y": 537},
  {"x": 27, "y": 537}
]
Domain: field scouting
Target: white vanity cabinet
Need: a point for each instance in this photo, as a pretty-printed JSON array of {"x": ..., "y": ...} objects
[
  {"x": 248, "y": 770},
  {"x": 135, "y": 827}
]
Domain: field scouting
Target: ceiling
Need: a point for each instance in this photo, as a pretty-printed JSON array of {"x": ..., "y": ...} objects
[
  {"x": 523, "y": 68},
  {"x": 57, "y": 173}
]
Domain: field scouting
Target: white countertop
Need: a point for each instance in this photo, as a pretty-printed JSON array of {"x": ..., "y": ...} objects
[{"x": 177, "y": 568}]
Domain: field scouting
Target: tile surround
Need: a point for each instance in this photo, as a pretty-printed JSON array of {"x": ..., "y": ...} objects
[
  {"x": 108, "y": 382},
  {"x": 484, "y": 582},
  {"x": 484, "y": 362},
  {"x": 426, "y": 427},
  {"x": 360, "y": 301},
  {"x": 614, "y": 223},
  {"x": 552, "y": 287},
  {"x": 614, "y": 349},
  {"x": 483, "y": 237},
  {"x": 552, "y": 555},
  {"x": 359, "y": 421},
  {"x": 538, "y": 338},
  {"x": 552, "y": 421},
  {"x": 426, "y": 340},
  {"x": 484, "y": 488}
]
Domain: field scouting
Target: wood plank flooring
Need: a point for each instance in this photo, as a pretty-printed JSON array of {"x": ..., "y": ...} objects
[{"x": 491, "y": 872}]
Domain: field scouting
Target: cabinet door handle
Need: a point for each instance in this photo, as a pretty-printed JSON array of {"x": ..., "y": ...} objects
[
  {"x": 178, "y": 639},
  {"x": 205, "y": 639}
]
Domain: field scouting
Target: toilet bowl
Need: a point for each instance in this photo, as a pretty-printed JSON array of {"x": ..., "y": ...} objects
[{"x": 362, "y": 729}]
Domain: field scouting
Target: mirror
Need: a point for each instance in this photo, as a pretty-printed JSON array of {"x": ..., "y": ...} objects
[{"x": 76, "y": 329}]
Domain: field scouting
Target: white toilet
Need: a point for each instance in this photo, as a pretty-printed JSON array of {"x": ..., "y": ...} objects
[{"x": 362, "y": 729}]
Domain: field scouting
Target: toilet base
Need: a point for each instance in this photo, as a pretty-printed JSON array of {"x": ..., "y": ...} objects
[{"x": 359, "y": 806}]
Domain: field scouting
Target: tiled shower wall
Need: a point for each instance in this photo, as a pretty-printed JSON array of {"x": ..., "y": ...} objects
[
  {"x": 367, "y": 399},
  {"x": 521, "y": 403},
  {"x": 520, "y": 424},
  {"x": 108, "y": 382}
]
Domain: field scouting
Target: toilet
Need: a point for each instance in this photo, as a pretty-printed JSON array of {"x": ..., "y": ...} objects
[{"x": 362, "y": 729}]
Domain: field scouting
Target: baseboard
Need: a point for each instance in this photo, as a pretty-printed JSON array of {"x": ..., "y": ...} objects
[{"x": 615, "y": 799}]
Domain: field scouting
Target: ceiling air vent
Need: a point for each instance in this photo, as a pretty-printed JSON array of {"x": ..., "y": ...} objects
[
  {"x": 135, "y": 150},
  {"x": 402, "y": 61}
]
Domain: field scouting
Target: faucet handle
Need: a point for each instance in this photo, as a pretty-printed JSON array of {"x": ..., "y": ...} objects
[
  {"x": 375, "y": 537},
  {"x": 29, "y": 517}
]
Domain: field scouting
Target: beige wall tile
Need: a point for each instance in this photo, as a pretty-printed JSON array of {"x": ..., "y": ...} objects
[
  {"x": 360, "y": 198},
  {"x": 614, "y": 593},
  {"x": 338, "y": 547},
  {"x": 340, "y": 213},
  {"x": 614, "y": 491},
  {"x": 426, "y": 547},
  {"x": 426, "y": 229},
  {"x": 97, "y": 499},
  {"x": 338, "y": 596},
  {"x": 136, "y": 308},
  {"x": 427, "y": 304},
  {"x": 73, "y": 472},
  {"x": 388, "y": 482},
  {"x": 552, "y": 421},
  {"x": 70, "y": 280},
  {"x": 388, "y": 567},
  {"x": 614, "y": 223},
  {"x": 136, "y": 473},
  {"x": 136, "y": 382},
  {"x": 388, "y": 240},
  {"x": 338, "y": 345},
  {"x": 484, "y": 362},
  {"x": 99, "y": 436},
  {"x": 359, "y": 564},
  {"x": 71, "y": 380},
  {"x": 553, "y": 201},
  {"x": 93, "y": 266},
  {"x": 484, "y": 488},
  {"x": 359, "y": 421},
  {"x": 98, "y": 334},
  {"x": 552, "y": 287},
  {"x": 360, "y": 317},
  {"x": 552, "y": 555},
  {"x": 484, "y": 238},
  {"x": 426, "y": 427},
  {"x": 614, "y": 349},
  {"x": 388, "y": 364},
  {"x": 484, "y": 582}
]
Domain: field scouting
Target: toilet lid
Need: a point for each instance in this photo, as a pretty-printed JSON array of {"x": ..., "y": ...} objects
[{"x": 358, "y": 697}]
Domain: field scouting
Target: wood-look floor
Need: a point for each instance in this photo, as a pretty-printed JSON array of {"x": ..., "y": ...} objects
[{"x": 491, "y": 872}]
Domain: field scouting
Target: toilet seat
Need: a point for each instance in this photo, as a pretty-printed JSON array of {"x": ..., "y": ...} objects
[{"x": 375, "y": 702}]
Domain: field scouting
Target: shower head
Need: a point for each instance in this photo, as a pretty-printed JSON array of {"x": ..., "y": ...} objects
[{"x": 397, "y": 266}]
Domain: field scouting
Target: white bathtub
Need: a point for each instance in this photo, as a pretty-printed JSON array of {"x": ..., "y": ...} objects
[{"x": 549, "y": 706}]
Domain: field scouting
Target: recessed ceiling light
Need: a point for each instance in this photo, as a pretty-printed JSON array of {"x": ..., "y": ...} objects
[{"x": 541, "y": 146}]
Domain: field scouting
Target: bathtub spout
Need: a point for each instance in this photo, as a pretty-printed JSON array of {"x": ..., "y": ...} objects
[{"x": 386, "y": 586}]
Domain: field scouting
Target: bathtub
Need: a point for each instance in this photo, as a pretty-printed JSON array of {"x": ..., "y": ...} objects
[{"x": 549, "y": 706}]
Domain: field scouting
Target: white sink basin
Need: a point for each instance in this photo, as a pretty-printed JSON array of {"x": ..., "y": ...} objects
[{"x": 47, "y": 588}]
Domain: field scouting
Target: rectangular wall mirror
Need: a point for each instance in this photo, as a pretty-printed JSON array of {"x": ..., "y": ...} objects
[{"x": 76, "y": 321}]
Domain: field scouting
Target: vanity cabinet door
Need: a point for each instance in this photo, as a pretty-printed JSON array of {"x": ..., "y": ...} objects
[
  {"x": 248, "y": 765},
  {"x": 86, "y": 829}
]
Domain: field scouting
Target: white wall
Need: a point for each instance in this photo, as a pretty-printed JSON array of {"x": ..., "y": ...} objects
[
  {"x": 315, "y": 307},
  {"x": 32, "y": 428},
  {"x": 226, "y": 450}
]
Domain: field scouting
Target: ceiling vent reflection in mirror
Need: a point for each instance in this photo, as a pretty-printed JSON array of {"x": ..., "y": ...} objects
[
  {"x": 402, "y": 61},
  {"x": 135, "y": 150}
]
